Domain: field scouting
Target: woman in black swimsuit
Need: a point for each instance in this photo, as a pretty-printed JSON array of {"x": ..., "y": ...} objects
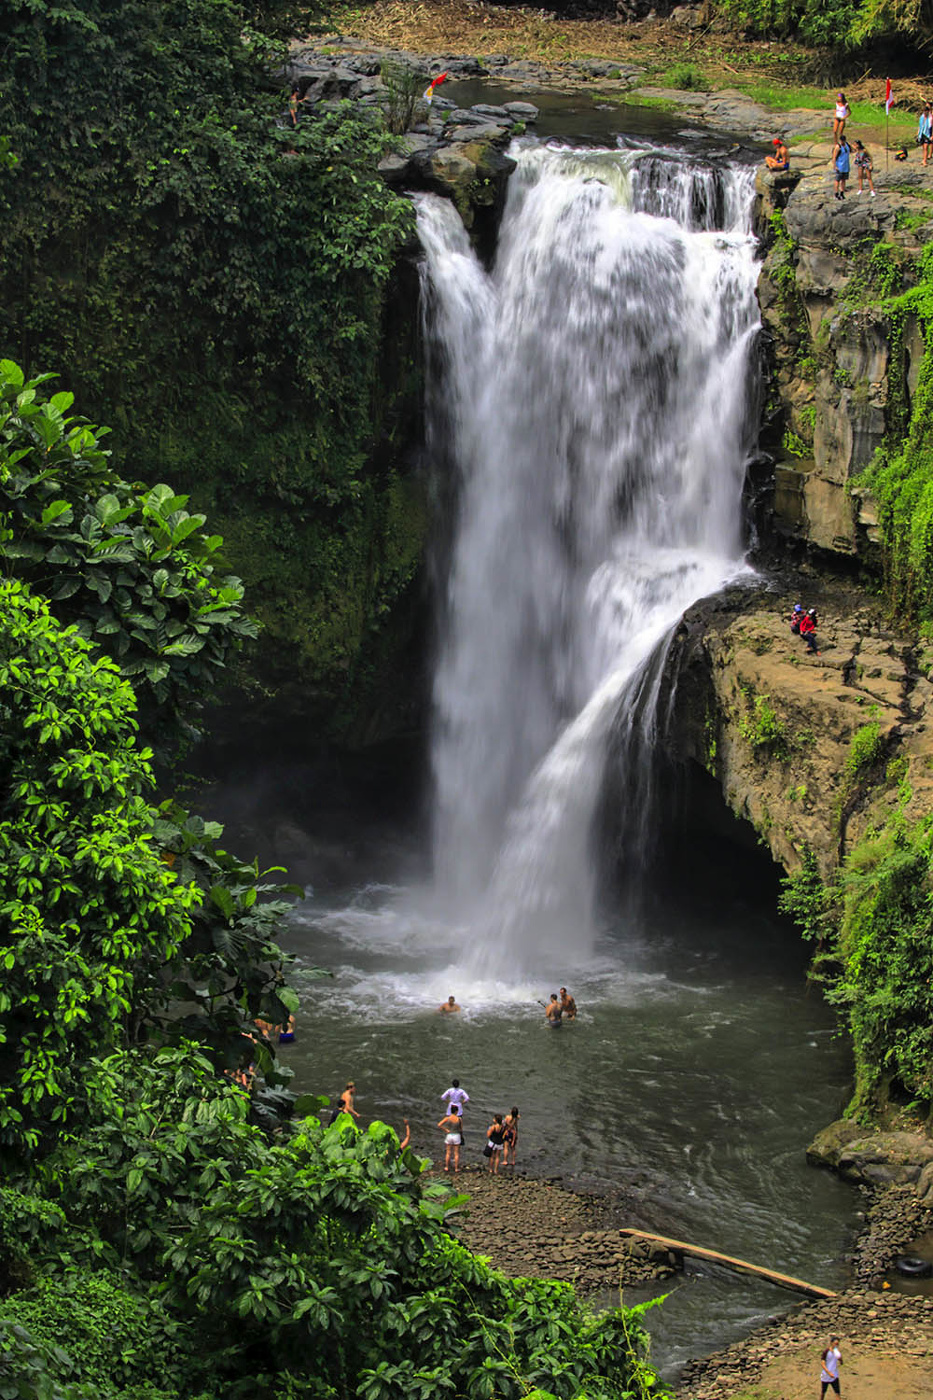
[
  {"x": 510, "y": 1138},
  {"x": 495, "y": 1134}
]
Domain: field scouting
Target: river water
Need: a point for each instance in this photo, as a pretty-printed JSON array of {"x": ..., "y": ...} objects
[{"x": 591, "y": 405}]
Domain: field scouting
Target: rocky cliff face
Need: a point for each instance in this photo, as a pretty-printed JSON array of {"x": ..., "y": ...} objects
[
  {"x": 813, "y": 750},
  {"x": 817, "y": 750},
  {"x": 844, "y": 373}
]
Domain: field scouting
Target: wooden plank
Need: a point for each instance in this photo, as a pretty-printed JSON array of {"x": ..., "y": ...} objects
[{"x": 742, "y": 1265}]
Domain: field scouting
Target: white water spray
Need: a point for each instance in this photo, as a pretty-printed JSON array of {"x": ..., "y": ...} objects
[{"x": 596, "y": 412}]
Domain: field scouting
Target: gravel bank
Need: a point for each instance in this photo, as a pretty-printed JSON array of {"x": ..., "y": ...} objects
[{"x": 539, "y": 1229}]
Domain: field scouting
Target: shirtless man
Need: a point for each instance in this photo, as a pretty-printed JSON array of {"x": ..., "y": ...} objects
[
  {"x": 449, "y": 1005},
  {"x": 552, "y": 1011},
  {"x": 567, "y": 1005},
  {"x": 345, "y": 1102}
]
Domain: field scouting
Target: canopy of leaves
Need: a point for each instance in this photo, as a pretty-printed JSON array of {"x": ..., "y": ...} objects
[
  {"x": 319, "y": 1264},
  {"x": 874, "y": 924},
  {"x": 127, "y": 565},
  {"x": 842, "y": 25},
  {"x": 86, "y": 904},
  {"x": 217, "y": 281}
]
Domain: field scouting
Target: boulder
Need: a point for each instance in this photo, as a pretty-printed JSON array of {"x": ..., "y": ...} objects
[
  {"x": 493, "y": 134},
  {"x": 872, "y": 1158},
  {"x": 522, "y": 111}
]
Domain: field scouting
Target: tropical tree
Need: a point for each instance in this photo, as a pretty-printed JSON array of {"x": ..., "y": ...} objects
[{"x": 87, "y": 904}]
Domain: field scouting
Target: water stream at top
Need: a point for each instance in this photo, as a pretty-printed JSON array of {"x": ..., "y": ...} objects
[{"x": 593, "y": 408}]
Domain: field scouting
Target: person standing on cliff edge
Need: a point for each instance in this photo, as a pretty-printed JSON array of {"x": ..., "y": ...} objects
[{"x": 831, "y": 1360}]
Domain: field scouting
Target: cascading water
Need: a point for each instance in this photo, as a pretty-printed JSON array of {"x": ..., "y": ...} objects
[{"x": 596, "y": 415}]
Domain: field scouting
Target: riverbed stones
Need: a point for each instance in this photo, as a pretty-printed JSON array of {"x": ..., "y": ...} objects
[{"x": 539, "y": 1229}]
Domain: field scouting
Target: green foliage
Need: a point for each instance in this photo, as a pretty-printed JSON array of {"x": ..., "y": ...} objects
[
  {"x": 794, "y": 445},
  {"x": 886, "y": 941},
  {"x": 804, "y": 897},
  {"x": 874, "y": 928},
  {"x": 229, "y": 970},
  {"x": 901, "y": 475},
  {"x": 128, "y": 566},
  {"x": 87, "y": 903},
  {"x": 763, "y": 730},
  {"x": 30, "y": 1371},
  {"x": 404, "y": 87},
  {"x": 320, "y": 1259},
  {"x": 686, "y": 76},
  {"x": 116, "y": 1337},
  {"x": 213, "y": 285},
  {"x": 865, "y": 749},
  {"x": 839, "y": 24}
]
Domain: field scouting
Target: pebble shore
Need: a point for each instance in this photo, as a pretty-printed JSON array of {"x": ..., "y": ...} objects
[{"x": 542, "y": 1229}]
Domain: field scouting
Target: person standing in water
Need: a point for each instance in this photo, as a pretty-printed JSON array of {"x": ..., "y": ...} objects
[
  {"x": 552, "y": 1011},
  {"x": 455, "y": 1096},
  {"x": 495, "y": 1135},
  {"x": 454, "y": 1137},
  {"x": 450, "y": 1004},
  {"x": 567, "y": 1005},
  {"x": 510, "y": 1137},
  {"x": 345, "y": 1102}
]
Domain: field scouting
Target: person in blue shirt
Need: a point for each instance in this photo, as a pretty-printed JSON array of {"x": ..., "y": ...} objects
[{"x": 841, "y": 167}]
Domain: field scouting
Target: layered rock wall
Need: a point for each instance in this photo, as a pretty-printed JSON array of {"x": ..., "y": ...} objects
[{"x": 843, "y": 373}]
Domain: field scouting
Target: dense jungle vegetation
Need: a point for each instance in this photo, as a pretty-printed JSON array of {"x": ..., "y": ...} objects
[
  {"x": 167, "y": 1231},
  {"x": 168, "y": 1228},
  {"x": 212, "y": 283},
  {"x": 849, "y": 24}
]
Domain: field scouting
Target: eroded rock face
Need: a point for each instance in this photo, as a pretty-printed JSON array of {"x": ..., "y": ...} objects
[
  {"x": 835, "y": 355},
  {"x": 777, "y": 726}
]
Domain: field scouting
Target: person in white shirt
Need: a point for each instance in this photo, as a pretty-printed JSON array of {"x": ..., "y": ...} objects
[
  {"x": 455, "y": 1095},
  {"x": 831, "y": 1360}
]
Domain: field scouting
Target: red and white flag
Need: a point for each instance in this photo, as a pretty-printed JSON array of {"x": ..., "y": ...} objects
[{"x": 887, "y": 96}]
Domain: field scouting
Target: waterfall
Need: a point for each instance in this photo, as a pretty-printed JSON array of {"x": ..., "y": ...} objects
[{"x": 592, "y": 418}]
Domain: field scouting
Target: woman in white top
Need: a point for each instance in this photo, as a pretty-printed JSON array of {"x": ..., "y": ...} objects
[{"x": 840, "y": 116}]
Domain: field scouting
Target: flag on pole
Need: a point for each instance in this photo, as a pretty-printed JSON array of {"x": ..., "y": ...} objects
[
  {"x": 887, "y": 96},
  {"x": 435, "y": 82}
]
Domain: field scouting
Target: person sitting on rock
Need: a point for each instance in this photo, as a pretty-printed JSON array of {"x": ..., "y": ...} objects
[
  {"x": 795, "y": 617},
  {"x": 780, "y": 160},
  {"x": 808, "y": 630}
]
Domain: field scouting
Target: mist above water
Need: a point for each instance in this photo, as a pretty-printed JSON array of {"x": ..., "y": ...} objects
[{"x": 592, "y": 406}]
